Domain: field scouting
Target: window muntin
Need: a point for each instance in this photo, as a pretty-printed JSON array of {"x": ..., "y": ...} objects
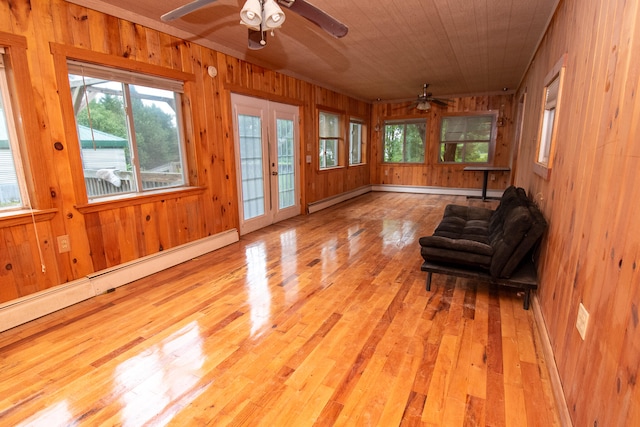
[
  {"x": 404, "y": 141},
  {"x": 466, "y": 139},
  {"x": 13, "y": 191},
  {"x": 330, "y": 139},
  {"x": 357, "y": 141},
  {"x": 130, "y": 134}
]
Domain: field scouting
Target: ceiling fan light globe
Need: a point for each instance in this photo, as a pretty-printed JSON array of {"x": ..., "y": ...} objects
[
  {"x": 251, "y": 13},
  {"x": 423, "y": 106},
  {"x": 273, "y": 15}
]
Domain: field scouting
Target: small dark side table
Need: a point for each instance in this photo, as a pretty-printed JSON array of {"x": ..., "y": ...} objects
[{"x": 485, "y": 178}]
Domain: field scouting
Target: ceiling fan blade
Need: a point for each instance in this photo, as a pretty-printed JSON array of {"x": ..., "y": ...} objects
[
  {"x": 405, "y": 106},
  {"x": 257, "y": 39},
  {"x": 441, "y": 102},
  {"x": 320, "y": 18},
  {"x": 184, "y": 10}
]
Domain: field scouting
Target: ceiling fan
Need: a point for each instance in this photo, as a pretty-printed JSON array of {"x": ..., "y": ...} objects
[
  {"x": 424, "y": 101},
  {"x": 261, "y": 16}
]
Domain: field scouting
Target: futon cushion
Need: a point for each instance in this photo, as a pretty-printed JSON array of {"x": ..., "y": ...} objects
[
  {"x": 464, "y": 222},
  {"x": 455, "y": 257},
  {"x": 460, "y": 238}
]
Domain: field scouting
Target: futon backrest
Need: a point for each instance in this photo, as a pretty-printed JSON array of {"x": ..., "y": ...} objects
[{"x": 514, "y": 228}]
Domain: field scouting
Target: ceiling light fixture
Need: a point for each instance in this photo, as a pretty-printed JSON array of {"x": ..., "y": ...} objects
[
  {"x": 262, "y": 15},
  {"x": 272, "y": 15},
  {"x": 423, "y": 106},
  {"x": 251, "y": 14}
]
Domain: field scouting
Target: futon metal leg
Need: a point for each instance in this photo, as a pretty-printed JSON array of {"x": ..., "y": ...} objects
[
  {"x": 429, "y": 281},
  {"x": 527, "y": 296}
]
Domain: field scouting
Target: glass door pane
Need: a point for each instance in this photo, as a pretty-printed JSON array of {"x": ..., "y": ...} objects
[
  {"x": 250, "y": 136},
  {"x": 286, "y": 164}
]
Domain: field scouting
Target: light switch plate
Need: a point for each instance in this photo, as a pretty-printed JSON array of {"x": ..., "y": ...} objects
[{"x": 583, "y": 321}]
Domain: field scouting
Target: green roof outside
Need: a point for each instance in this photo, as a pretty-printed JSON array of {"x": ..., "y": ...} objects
[{"x": 102, "y": 139}]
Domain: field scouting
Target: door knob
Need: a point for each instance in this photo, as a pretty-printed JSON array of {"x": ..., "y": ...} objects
[{"x": 274, "y": 173}]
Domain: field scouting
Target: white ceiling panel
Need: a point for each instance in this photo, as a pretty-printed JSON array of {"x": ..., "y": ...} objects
[{"x": 393, "y": 47}]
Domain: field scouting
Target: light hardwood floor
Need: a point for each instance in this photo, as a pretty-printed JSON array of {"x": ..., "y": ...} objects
[{"x": 318, "y": 320}]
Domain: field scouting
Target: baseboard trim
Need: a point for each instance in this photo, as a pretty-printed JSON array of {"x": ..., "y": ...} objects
[
  {"x": 446, "y": 191},
  {"x": 128, "y": 272},
  {"x": 554, "y": 375},
  {"x": 343, "y": 197},
  {"x": 31, "y": 307},
  {"x": 334, "y": 200}
]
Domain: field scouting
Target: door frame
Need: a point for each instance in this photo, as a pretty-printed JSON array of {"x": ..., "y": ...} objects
[{"x": 268, "y": 111}]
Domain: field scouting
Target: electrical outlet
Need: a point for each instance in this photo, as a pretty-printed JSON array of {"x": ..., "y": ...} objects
[
  {"x": 582, "y": 321},
  {"x": 63, "y": 244}
]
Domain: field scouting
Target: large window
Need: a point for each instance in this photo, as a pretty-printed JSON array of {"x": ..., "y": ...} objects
[
  {"x": 129, "y": 129},
  {"x": 330, "y": 131},
  {"x": 467, "y": 139},
  {"x": 357, "y": 142},
  {"x": 12, "y": 186},
  {"x": 404, "y": 141}
]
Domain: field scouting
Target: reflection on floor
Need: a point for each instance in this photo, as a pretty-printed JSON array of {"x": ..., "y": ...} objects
[{"x": 321, "y": 319}]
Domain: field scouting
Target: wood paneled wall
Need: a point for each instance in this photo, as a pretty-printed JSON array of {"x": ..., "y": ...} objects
[
  {"x": 590, "y": 254},
  {"x": 432, "y": 173},
  {"x": 107, "y": 235}
]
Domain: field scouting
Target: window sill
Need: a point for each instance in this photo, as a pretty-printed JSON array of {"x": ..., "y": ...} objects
[
  {"x": 139, "y": 199},
  {"x": 25, "y": 216},
  {"x": 403, "y": 164},
  {"x": 330, "y": 169},
  {"x": 466, "y": 164},
  {"x": 542, "y": 170}
]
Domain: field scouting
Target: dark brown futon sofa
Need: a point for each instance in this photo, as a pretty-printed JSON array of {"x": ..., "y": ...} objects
[{"x": 493, "y": 245}]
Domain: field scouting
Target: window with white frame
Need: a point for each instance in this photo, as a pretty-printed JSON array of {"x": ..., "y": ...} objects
[
  {"x": 549, "y": 118},
  {"x": 13, "y": 191},
  {"x": 467, "y": 138},
  {"x": 330, "y": 134},
  {"x": 129, "y": 129},
  {"x": 357, "y": 141},
  {"x": 404, "y": 141}
]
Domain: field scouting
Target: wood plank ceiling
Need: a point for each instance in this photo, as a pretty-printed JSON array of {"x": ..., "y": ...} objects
[{"x": 393, "y": 47}]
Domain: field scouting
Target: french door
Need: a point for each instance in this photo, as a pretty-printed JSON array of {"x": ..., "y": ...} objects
[{"x": 267, "y": 159}]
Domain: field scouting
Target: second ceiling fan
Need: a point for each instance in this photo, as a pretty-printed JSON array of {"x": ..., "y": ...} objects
[
  {"x": 261, "y": 16},
  {"x": 424, "y": 101}
]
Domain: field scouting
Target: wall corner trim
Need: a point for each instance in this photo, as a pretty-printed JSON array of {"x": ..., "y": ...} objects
[{"x": 30, "y": 307}]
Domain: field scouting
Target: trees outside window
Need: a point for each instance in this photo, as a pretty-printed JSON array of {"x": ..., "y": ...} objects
[
  {"x": 130, "y": 133},
  {"x": 357, "y": 142},
  {"x": 467, "y": 139},
  {"x": 404, "y": 141},
  {"x": 330, "y": 139}
]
